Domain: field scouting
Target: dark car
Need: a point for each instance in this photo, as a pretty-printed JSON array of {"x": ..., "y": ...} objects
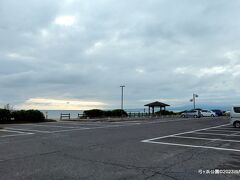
[{"x": 218, "y": 112}]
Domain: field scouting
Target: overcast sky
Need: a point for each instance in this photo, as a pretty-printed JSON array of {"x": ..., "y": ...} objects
[{"x": 74, "y": 54}]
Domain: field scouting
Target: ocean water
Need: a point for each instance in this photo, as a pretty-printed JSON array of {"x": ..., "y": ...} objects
[{"x": 55, "y": 114}]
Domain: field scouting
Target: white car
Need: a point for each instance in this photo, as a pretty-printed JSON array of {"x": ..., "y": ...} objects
[
  {"x": 207, "y": 113},
  {"x": 191, "y": 113},
  {"x": 235, "y": 116}
]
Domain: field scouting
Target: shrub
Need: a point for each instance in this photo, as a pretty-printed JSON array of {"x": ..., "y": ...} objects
[
  {"x": 165, "y": 112},
  {"x": 107, "y": 113},
  {"x": 93, "y": 113},
  {"x": 118, "y": 113},
  {"x": 97, "y": 113},
  {"x": 5, "y": 115},
  {"x": 28, "y": 116}
]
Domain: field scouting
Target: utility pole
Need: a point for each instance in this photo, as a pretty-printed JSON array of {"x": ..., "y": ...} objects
[
  {"x": 122, "y": 86},
  {"x": 194, "y": 100}
]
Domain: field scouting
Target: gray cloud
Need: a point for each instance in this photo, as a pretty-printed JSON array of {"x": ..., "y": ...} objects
[{"x": 159, "y": 49}]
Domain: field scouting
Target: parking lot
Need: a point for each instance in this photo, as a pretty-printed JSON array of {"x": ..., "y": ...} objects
[
  {"x": 177, "y": 148},
  {"x": 223, "y": 137}
]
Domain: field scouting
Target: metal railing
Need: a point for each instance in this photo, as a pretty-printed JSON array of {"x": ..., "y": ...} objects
[{"x": 68, "y": 116}]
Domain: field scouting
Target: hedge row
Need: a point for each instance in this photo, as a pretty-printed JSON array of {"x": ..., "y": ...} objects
[
  {"x": 165, "y": 112},
  {"x": 97, "y": 113},
  {"x": 21, "y": 116}
]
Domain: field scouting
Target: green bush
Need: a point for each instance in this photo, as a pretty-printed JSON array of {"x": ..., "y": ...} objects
[
  {"x": 118, "y": 113},
  {"x": 107, "y": 113},
  {"x": 5, "y": 115},
  {"x": 165, "y": 112},
  {"x": 93, "y": 113},
  {"x": 97, "y": 113},
  {"x": 28, "y": 116}
]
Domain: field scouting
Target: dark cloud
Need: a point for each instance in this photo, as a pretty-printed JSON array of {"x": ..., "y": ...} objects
[{"x": 159, "y": 49}]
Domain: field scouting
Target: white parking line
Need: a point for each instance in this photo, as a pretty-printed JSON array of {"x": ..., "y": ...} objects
[
  {"x": 183, "y": 133},
  {"x": 125, "y": 123},
  {"x": 194, "y": 146},
  {"x": 41, "y": 125},
  {"x": 208, "y": 139},
  {"x": 229, "y": 129},
  {"x": 216, "y": 134},
  {"x": 6, "y": 130},
  {"x": 31, "y": 130},
  {"x": 100, "y": 127},
  {"x": 221, "y": 130},
  {"x": 69, "y": 130},
  {"x": 18, "y": 133}
]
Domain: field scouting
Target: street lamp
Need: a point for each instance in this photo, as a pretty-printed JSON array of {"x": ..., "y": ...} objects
[
  {"x": 122, "y": 86},
  {"x": 194, "y": 100}
]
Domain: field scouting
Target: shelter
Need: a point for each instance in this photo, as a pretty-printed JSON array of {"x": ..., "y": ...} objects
[{"x": 156, "y": 104}]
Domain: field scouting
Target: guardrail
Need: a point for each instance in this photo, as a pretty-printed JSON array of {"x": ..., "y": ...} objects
[
  {"x": 65, "y": 116},
  {"x": 130, "y": 115}
]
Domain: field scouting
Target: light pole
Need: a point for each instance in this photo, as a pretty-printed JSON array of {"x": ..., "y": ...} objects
[
  {"x": 194, "y": 100},
  {"x": 122, "y": 86}
]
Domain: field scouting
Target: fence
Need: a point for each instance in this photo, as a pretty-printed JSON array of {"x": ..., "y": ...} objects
[
  {"x": 130, "y": 115},
  {"x": 68, "y": 116},
  {"x": 147, "y": 115},
  {"x": 137, "y": 114}
]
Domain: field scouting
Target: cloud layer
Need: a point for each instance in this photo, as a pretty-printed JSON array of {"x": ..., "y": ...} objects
[{"x": 84, "y": 50}]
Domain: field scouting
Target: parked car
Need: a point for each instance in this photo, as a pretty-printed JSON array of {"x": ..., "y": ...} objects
[
  {"x": 235, "y": 116},
  {"x": 191, "y": 113},
  {"x": 207, "y": 113},
  {"x": 218, "y": 112}
]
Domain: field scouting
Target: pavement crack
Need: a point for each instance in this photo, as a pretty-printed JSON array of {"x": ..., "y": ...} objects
[
  {"x": 143, "y": 170},
  {"x": 30, "y": 156}
]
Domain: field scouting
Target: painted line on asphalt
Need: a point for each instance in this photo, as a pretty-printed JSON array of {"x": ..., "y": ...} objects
[
  {"x": 161, "y": 137},
  {"x": 230, "y": 128},
  {"x": 208, "y": 139},
  {"x": 217, "y": 134},
  {"x": 68, "y": 130},
  {"x": 194, "y": 146},
  {"x": 6, "y": 130},
  {"x": 101, "y": 127},
  {"x": 178, "y": 135},
  {"x": 138, "y": 123},
  {"x": 215, "y": 130},
  {"x": 18, "y": 133},
  {"x": 41, "y": 125},
  {"x": 31, "y": 130}
]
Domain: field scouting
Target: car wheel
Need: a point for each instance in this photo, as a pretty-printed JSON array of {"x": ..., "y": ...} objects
[
  {"x": 237, "y": 124},
  {"x": 212, "y": 115},
  {"x": 195, "y": 116}
]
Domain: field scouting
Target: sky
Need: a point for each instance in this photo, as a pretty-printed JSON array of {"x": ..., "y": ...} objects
[{"x": 75, "y": 54}]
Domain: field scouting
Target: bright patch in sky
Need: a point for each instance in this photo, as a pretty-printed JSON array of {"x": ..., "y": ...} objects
[
  {"x": 65, "y": 20},
  {"x": 56, "y": 104},
  {"x": 17, "y": 56}
]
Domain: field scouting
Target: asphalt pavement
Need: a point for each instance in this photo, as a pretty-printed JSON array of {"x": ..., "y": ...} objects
[{"x": 204, "y": 148}]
